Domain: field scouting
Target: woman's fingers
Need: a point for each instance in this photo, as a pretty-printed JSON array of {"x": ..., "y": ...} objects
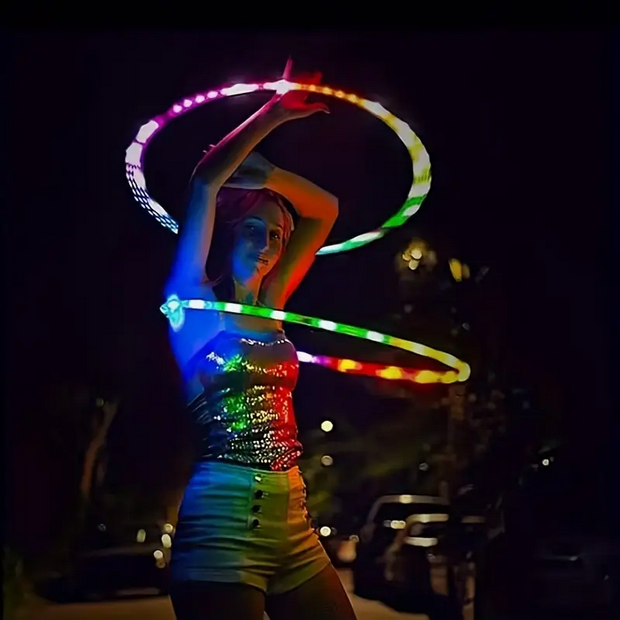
[
  {"x": 288, "y": 69},
  {"x": 309, "y": 77}
]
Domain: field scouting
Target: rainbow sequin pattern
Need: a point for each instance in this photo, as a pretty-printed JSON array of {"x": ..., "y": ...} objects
[{"x": 244, "y": 411}]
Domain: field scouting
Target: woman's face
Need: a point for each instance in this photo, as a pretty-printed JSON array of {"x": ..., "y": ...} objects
[{"x": 259, "y": 242}]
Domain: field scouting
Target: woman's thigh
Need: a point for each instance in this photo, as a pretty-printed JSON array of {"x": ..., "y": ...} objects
[
  {"x": 206, "y": 600},
  {"x": 322, "y": 597}
]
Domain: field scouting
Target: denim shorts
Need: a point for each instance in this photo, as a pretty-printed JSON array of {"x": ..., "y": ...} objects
[{"x": 242, "y": 525}]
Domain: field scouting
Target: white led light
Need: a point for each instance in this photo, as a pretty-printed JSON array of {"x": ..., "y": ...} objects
[
  {"x": 412, "y": 210},
  {"x": 239, "y": 89},
  {"x": 419, "y": 189},
  {"x": 157, "y": 208},
  {"x": 375, "y": 336},
  {"x": 375, "y": 108},
  {"x": 366, "y": 237},
  {"x": 281, "y": 86},
  {"x": 146, "y": 131},
  {"x": 139, "y": 178},
  {"x": 134, "y": 154},
  {"x": 331, "y": 249},
  {"x": 422, "y": 160}
]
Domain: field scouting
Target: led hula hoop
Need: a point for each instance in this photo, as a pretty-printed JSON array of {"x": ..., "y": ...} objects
[{"x": 175, "y": 308}]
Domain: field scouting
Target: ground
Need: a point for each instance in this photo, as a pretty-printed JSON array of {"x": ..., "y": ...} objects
[{"x": 159, "y": 608}]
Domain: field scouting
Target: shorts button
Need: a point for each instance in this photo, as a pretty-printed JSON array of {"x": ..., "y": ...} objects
[
  {"x": 258, "y": 478},
  {"x": 259, "y": 494},
  {"x": 255, "y": 523},
  {"x": 255, "y": 509}
]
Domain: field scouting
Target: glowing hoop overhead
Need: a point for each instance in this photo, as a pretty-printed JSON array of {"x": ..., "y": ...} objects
[
  {"x": 175, "y": 308},
  {"x": 419, "y": 157}
]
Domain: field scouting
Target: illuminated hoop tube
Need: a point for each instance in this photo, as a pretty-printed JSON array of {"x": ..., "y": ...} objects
[
  {"x": 418, "y": 191},
  {"x": 174, "y": 308}
]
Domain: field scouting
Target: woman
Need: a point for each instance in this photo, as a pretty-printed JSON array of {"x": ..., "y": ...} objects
[{"x": 244, "y": 544}]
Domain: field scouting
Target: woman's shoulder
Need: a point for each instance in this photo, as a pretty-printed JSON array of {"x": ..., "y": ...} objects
[
  {"x": 187, "y": 289},
  {"x": 198, "y": 327}
]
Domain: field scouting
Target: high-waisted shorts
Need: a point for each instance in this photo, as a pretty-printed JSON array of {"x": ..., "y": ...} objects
[{"x": 243, "y": 525}]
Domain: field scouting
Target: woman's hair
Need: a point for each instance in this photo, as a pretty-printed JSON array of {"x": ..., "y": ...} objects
[{"x": 232, "y": 208}]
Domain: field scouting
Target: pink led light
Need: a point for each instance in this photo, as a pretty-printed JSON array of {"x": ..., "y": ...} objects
[
  {"x": 176, "y": 108},
  {"x": 200, "y": 99},
  {"x": 212, "y": 94}
]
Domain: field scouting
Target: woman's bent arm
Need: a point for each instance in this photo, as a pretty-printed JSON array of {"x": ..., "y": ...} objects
[{"x": 210, "y": 175}]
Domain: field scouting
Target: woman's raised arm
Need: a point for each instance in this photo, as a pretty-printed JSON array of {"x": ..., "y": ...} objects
[
  {"x": 217, "y": 166},
  {"x": 211, "y": 173}
]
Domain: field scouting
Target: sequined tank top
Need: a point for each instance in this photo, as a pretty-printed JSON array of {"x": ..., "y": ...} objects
[{"x": 244, "y": 409}]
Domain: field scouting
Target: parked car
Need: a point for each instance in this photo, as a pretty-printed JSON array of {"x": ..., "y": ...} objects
[
  {"x": 559, "y": 548},
  {"x": 429, "y": 568},
  {"x": 385, "y": 519},
  {"x": 133, "y": 559}
]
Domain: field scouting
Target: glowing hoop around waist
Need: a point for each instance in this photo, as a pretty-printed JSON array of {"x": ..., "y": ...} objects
[{"x": 175, "y": 308}]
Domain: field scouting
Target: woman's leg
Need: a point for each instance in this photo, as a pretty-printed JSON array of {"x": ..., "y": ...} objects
[
  {"x": 322, "y": 597},
  {"x": 206, "y": 600}
]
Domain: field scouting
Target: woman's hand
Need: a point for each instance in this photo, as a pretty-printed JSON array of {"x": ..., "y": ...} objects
[
  {"x": 253, "y": 173},
  {"x": 294, "y": 104}
]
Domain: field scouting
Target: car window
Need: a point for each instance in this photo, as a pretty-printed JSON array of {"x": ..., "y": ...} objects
[{"x": 396, "y": 511}]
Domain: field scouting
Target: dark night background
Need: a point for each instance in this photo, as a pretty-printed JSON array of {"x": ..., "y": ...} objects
[{"x": 517, "y": 125}]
